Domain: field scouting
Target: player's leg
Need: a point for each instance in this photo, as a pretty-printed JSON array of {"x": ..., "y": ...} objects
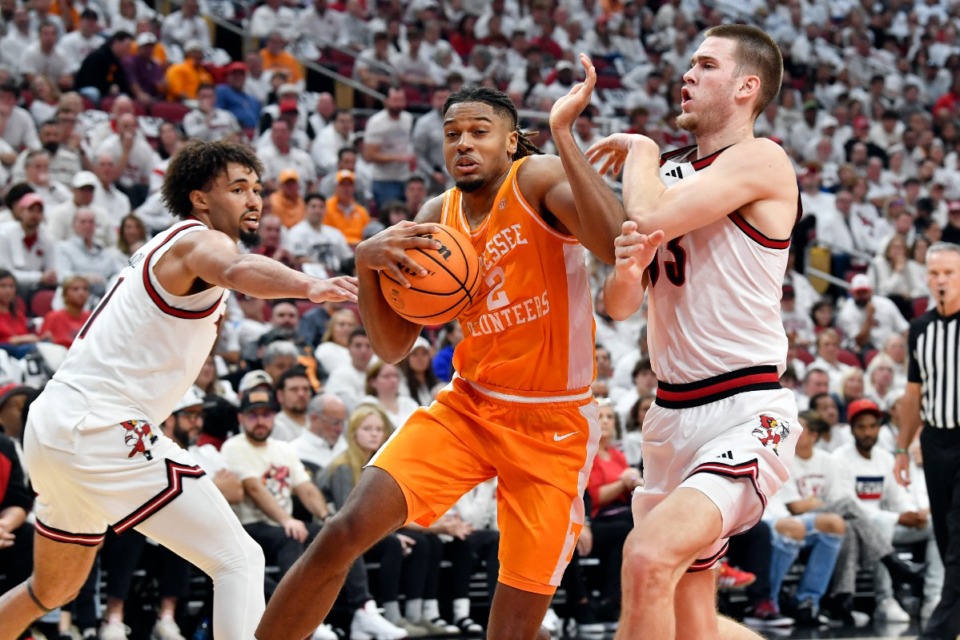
[
  {"x": 733, "y": 630},
  {"x": 199, "y": 526},
  {"x": 656, "y": 556},
  {"x": 59, "y": 571},
  {"x": 516, "y": 614},
  {"x": 375, "y": 508},
  {"x": 695, "y": 605}
]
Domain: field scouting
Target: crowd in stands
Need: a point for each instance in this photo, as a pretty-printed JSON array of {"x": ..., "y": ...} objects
[{"x": 97, "y": 95}]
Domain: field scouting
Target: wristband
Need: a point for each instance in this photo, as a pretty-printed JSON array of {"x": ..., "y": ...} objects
[{"x": 899, "y": 450}]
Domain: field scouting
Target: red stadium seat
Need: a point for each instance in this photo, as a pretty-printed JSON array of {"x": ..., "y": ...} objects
[
  {"x": 920, "y": 306},
  {"x": 804, "y": 356},
  {"x": 170, "y": 111},
  {"x": 41, "y": 302},
  {"x": 849, "y": 358},
  {"x": 868, "y": 356}
]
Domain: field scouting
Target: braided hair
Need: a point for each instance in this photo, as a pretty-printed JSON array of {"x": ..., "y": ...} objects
[{"x": 504, "y": 106}]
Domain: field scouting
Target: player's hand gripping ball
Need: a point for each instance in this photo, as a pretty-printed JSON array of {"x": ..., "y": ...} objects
[{"x": 451, "y": 282}]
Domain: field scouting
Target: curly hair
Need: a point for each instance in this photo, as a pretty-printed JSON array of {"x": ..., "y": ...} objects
[
  {"x": 196, "y": 166},
  {"x": 504, "y": 106}
]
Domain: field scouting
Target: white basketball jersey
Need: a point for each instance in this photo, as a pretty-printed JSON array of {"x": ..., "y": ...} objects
[
  {"x": 142, "y": 347},
  {"x": 714, "y": 294}
]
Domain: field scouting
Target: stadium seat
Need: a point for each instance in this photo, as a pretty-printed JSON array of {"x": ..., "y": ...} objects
[
  {"x": 868, "y": 356},
  {"x": 804, "y": 355},
  {"x": 171, "y": 111},
  {"x": 920, "y": 306},
  {"x": 849, "y": 358},
  {"x": 41, "y": 302}
]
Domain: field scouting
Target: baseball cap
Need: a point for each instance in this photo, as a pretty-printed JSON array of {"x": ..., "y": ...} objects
[
  {"x": 564, "y": 64},
  {"x": 861, "y": 406},
  {"x": 146, "y": 38},
  {"x": 236, "y": 66},
  {"x": 29, "y": 200},
  {"x": 84, "y": 179},
  {"x": 420, "y": 343},
  {"x": 829, "y": 121},
  {"x": 861, "y": 121},
  {"x": 788, "y": 291},
  {"x": 954, "y": 207},
  {"x": 861, "y": 282},
  {"x": 193, "y": 45},
  {"x": 255, "y": 378},
  {"x": 289, "y": 174},
  {"x": 12, "y": 390},
  {"x": 287, "y": 88},
  {"x": 192, "y": 398},
  {"x": 345, "y": 174},
  {"x": 288, "y": 105},
  {"x": 256, "y": 398}
]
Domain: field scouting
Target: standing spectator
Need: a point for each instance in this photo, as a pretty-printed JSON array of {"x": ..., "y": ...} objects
[
  {"x": 232, "y": 96},
  {"x": 186, "y": 25},
  {"x": 344, "y": 212},
  {"x": 63, "y": 325},
  {"x": 101, "y": 73},
  {"x": 81, "y": 42},
  {"x": 44, "y": 59},
  {"x": 272, "y": 16},
  {"x": 208, "y": 122},
  {"x": 428, "y": 143},
  {"x": 388, "y": 146},
  {"x": 337, "y": 135},
  {"x": 25, "y": 248},
  {"x": 313, "y": 243},
  {"x": 18, "y": 128},
  {"x": 930, "y": 401}
]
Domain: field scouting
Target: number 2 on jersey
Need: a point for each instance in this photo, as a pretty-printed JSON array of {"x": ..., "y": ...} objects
[{"x": 675, "y": 269}]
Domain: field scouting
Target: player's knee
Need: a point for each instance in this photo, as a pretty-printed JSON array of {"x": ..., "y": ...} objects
[
  {"x": 647, "y": 567},
  {"x": 791, "y": 528},
  {"x": 830, "y": 523},
  {"x": 50, "y": 594},
  {"x": 244, "y": 557},
  {"x": 347, "y": 534}
]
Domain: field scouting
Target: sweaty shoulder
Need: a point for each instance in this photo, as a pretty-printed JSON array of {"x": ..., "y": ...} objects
[
  {"x": 537, "y": 175},
  {"x": 431, "y": 210}
]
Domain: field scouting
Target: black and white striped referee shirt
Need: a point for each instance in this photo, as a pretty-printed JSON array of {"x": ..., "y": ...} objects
[{"x": 934, "y": 347}]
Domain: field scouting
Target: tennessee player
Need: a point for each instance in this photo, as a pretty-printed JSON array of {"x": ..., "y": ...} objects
[
  {"x": 520, "y": 407},
  {"x": 720, "y": 439}
]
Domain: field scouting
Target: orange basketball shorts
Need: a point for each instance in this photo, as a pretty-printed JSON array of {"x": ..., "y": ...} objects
[{"x": 541, "y": 451}]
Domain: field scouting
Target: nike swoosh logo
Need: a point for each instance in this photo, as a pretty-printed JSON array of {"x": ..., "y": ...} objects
[{"x": 557, "y": 437}]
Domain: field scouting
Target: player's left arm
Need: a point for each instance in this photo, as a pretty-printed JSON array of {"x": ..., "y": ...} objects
[{"x": 754, "y": 177}]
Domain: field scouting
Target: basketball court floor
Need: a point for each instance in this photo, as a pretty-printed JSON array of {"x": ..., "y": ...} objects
[{"x": 868, "y": 632}]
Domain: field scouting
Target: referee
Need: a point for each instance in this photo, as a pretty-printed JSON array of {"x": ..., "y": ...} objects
[{"x": 933, "y": 398}]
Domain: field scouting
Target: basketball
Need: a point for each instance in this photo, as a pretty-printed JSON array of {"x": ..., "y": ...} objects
[{"x": 452, "y": 280}]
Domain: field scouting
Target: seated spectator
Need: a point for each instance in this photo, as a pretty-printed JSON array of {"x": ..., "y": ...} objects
[
  {"x": 418, "y": 379},
  {"x": 43, "y": 58},
  {"x": 59, "y": 219},
  {"x": 183, "y": 80},
  {"x": 383, "y": 390},
  {"x": 132, "y": 235},
  {"x": 891, "y": 511},
  {"x": 81, "y": 255},
  {"x": 101, "y": 73},
  {"x": 279, "y": 153},
  {"x": 233, "y": 97},
  {"x": 16, "y": 502},
  {"x": 143, "y": 71},
  {"x": 333, "y": 350},
  {"x": 450, "y": 336},
  {"x": 185, "y": 26},
  {"x": 851, "y": 390},
  {"x": 82, "y": 41},
  {"x": 828, "y": 350},
  {"x": 611, "y": 485},
  {"x": 344, "y": 212},
  {"x": 286, "y": 202},
  {"x": 208, "y": 122},
  {"x": 323, "y": 439},
  {"x": 644, "y": 383},
  {"x": 25, "y": 248},
  {"x": 63, "y": 325},
  {"x": 293, "y": 392},
  {"x": 64, "y": 163},
  {"x": 866, "y": 318},
  {"x": 797, "y": 522},
  {"x": 271, "y": 474},
  {"x": 19, "y": 131},
  {"x": 348, "y": 160},
  {"x": 349, "y": 381},
  {"x": 750, "y": 552},
  {"x": 896, "y": 276},
  {"x": 276, "y": 58},
  {"x": 375, "y": 66},
  {"x": 633, "y": 430},
  {"x": 879, "y": 385},
  {"x": 326, "y": 146},
  {"x": 210, "y": 385},
  {"x": 107, "y": 195},
  {"x": 367, "y": 429},
  {"x": 319, "y": 249},
  {"x": 271, "y": 232},
  {"x": 36, "y": 167},
  {"x": 272, "y": 16},
  {"x": 838, "y": 433}
]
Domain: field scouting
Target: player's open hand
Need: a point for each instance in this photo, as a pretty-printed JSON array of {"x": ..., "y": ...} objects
[
  {"x": 341, "y": 288},
  {"x": 386, "y": 251},
  {"x": 634, "y": 251},
  {"x": 569, "y": 107},
  {"x": 613, "y": 150}
]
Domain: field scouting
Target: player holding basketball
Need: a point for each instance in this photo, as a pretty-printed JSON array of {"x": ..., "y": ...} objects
[
  {"x": 93, "y": 443},
  {"x": 720, "y": 438},
  {"x": 521, "y": 407}
]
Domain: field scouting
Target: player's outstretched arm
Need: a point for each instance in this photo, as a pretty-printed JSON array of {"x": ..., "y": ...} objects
[
  {"x": 748, "y": 172},
  {"x": 214, "y": 258},
  {"x": 624, "y": 288},
  {"x": 580, "y": 198},
  {"x": 391, "y": 335}
]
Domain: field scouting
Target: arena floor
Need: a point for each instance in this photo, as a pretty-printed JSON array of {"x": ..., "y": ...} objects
[{"x": 868, "y": 632}]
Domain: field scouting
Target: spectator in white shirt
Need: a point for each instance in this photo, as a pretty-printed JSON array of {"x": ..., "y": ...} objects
[
  {"x": 868, "y": 319},
  {"x": 180, "y": 27},
  {"x": 320, "y": 24},
  {"x": 207, "y": 122},
  {"x": 293, "y": 395},
  {"x": 331, "y": 139},
  {"x": 78, "y": 44},
  {"x": 25, "y": 248},
  {"x": 273, "y": 16},
  {"x": 81, "y": 255},
  {"x": 323, "y": 439},
  {"x": 16, "y": 124},
  {"x": 106, "y": 195},
  {"x": 318, "y": 248},
  {"x": 59, "y": 219},
  {"x": 349, "y": 381}
]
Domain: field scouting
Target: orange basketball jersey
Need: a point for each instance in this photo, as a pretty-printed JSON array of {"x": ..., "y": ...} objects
[{"x": 529, "y": 330}]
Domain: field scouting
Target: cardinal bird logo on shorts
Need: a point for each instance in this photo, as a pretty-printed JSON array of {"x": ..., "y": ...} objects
[
  {"x": 771, "y": 432},
  {"x": 138, "y": 436}
]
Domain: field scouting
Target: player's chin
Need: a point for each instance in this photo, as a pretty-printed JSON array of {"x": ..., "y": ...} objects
[
  {"x": 470, "y": 183},
  {"x": 687, "y": 122},
  {"x": 249, "y": 239}
]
